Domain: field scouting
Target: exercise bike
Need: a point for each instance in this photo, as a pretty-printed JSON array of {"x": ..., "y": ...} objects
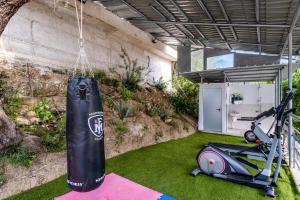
[
  {"x": 220, "y": 164},
  {"x": 256, "y": 134}
]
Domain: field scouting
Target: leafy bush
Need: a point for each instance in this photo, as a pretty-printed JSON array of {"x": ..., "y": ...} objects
[
  {"x": 126, "y": 94},
  {"x": 296, "y": 99},
  {"x": 100, "y": 75},
  {"x": 44, "y": 111},
  {"x": 124, "y": 110},
  {"x": 157, "y": 110},
  {"x": 12, "y": 106},
  {"x": 54, "y": 139},
  {"x": 11, "y": 101},
  {"x": 130, "y": 73},
  {"x": 17, "y": 155},
  {"x": 120, "y": 130},
  {"x": 160, "y": 84},
  {"x": 185, "y": 98}
]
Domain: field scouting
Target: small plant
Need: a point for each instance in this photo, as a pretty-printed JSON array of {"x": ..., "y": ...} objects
[
  {"x": 160, "y": 84},
  {"x": 44, "y": 111},
  {"x": 126, "y": 94},
  {"x": 159, "y": 134},
  {"x": 157, "y": 110},
  {"x": 173, "y": 124},
  {"x": 12, "y": 106},
  {"x": 120, "y": 130},
  {"x": 3, "y": 179},
  {"x": 100, "y": 75},
  {"x": 124, "y": 110},
  {"x": 54, "y": 139},
  {"x": 130, "y": 73},
  {"x": 18, "y": 155},
  {"x": 11, "y": 101},
  {"x": 186, "y": 127},
  {"x": 103, "y": 78}
]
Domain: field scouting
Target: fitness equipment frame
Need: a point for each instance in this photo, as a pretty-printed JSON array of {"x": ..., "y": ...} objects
[{"x": 217, "y": 163}]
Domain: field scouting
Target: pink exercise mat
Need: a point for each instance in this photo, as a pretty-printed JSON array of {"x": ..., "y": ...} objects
[{"x": 114, "y": 187}]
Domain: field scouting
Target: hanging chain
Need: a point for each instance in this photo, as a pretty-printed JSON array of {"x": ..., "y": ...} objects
[{"x": 82, "y": 60}]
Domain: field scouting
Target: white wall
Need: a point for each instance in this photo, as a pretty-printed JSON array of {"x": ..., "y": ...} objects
[
  {"x": 256, "y": 99},
  {"x": 47, "y": 37}
]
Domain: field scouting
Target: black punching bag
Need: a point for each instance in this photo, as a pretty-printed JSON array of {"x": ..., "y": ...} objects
[{"x": 85, "y": 134}]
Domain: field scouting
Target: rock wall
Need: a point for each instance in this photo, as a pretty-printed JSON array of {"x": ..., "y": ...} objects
[{"x": 143, "y": 129}]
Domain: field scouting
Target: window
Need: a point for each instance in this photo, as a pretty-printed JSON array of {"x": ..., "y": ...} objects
[
  {"x": 197, "y": 60},
  {"x": 220, "y": 62}
]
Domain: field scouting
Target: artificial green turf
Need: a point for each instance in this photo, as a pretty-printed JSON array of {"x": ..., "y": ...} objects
[{"x": 166, "y": 168}]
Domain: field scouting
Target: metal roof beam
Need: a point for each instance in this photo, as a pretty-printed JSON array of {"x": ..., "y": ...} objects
[
  {"x": 137, "y": 11},
  {"x": 292, "y": 27},
  {"x": 228, "y": 19},
  {"x": 179, "y": 10},
  {"x": 165, "y": 9},
  {"x": 218, "y": 41},
  {"x": 257, "y": 15},
  {"x": 209, "y": 15},
  {"x": 187, "y": 19},
  {"x": 215, "y": 24}
]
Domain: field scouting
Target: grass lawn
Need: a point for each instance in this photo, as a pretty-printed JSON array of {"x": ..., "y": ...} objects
[{"x": 165, "y": 167}]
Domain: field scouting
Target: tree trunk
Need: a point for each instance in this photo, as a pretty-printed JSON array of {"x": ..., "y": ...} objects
[
  {"x": 7, "y": 9},
  {"x": 8, "y": 133}
]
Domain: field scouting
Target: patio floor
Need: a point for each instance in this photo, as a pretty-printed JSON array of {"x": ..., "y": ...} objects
[{"x": 165, "y": 167}]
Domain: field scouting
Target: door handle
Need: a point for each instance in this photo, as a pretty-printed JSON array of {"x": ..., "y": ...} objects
[{"x": 219, "y": 109}]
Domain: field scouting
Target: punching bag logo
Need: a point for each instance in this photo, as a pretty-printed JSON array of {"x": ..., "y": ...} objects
[{"x": 96, "y": 124}]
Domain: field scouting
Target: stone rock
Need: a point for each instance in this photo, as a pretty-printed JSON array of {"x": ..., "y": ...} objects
[
  {"x": 34, "y": 120},
  {"x": 30, "y": 114},
  {"x": 33, "y": 143},
  {"x": 168, "y": 121},
  {"x": 59, "y": 103},
  {"x": 24, "y": 109},
  {"x": 22, "y": 121},
  {"x": 136, "y": 129},
  {"x": 29, "y": 101},
  {"x": 8, "y": 133}
]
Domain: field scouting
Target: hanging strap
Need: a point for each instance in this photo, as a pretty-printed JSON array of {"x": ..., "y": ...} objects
[{"x": 82, "y": 61}]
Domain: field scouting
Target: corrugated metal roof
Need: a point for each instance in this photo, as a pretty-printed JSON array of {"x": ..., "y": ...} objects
[
  {"x": 263, "y": 39},
  {"x": 235, "y": 74}
]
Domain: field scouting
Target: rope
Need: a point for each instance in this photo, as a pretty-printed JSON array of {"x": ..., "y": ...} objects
[{"x": 82, "y": 61}]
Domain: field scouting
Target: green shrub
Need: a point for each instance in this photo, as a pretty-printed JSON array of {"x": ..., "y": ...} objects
[
  {"x": 120, "y": 130},
  {"x": 126, "y": 94},
  {"x": 12, "y": 106},
  {"x": 296, "y": 99},
  {"x": 102, "y": 77},
  {"x": 124, "y": 110},
  {"x": 185, "y": 98},
  {"x": 157, "y": 110},
  {"x": 44, "y": 111},
  {"x": 54, "y": 139},
  {"x": 160, "y": 84},
  {"x": 130, "y": 73},
  {"x": 17, "y": 155},
  {"x": 8, "y": 96}
]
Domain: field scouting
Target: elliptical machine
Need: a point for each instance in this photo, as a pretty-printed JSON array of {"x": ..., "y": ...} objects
[
  {"x": 220, "y": 164},
  {"x": 256, "y": 133}
]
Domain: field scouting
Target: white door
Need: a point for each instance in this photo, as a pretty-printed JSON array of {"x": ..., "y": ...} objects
[{"x": 212, "y": 109}]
